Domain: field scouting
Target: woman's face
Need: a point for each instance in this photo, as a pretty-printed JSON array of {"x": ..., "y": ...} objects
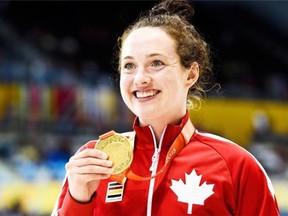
[{"x": 153, "y": 83}]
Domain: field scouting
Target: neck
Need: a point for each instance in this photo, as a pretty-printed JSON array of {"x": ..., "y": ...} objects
[{"x": 159, "y": 124}]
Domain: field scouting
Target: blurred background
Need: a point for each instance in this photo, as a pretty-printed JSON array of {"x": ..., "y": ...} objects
[{"x": 58, "y": 88}]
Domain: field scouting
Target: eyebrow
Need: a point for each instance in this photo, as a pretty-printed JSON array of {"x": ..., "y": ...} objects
[{"x": 147, "y": 56}]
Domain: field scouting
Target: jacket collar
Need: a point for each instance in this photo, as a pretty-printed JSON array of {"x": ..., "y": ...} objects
[{"x": 144, "y": 135}]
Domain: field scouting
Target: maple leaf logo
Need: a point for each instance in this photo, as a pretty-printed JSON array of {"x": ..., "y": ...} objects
[{"x": 191, "y": 192}]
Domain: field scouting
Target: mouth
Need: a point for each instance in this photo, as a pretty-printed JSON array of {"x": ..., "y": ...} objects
[{"x": 146, "y": 94}]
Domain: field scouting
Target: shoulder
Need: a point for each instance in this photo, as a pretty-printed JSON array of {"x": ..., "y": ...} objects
[
  {"x": 238, "y": 160},
  {"x": 220, "y": 144},
  {"x": 252, "y": 186},
  {"x": 234, "y": 155}
]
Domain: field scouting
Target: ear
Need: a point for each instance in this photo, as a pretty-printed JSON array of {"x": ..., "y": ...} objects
[{"x": 193, "y": 74}]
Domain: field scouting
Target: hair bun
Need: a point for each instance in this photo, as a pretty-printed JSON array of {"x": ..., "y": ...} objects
[{"x": 181, "y": 8}]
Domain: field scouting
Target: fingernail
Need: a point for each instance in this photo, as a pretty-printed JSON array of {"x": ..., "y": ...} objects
[
  {"x": 109, "y": 163},
  {"x": 104, "y": 155}
]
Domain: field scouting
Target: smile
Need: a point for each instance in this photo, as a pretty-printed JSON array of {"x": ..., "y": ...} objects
[{"x": 146, "y": 94}]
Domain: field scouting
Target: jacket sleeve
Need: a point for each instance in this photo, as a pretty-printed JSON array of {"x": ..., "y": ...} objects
[
  {"x": 254, "y": 190},
  {"x": 66, "y": 205}
]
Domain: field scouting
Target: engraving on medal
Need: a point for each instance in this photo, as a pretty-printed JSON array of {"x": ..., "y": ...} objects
[{"x": 119, "y": 150}]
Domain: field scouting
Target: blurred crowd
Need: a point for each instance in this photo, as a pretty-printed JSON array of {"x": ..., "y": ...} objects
[{"x": 47, "y": 110}]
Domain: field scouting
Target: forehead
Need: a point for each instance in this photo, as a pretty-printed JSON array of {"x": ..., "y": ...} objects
[{"x": 148, "y": 39}]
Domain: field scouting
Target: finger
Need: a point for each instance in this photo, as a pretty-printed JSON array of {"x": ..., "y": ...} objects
[
  {"x": 87, "y": 174},
  {"x": 88, "y": 177},
  {"x": 89, "y": 161},
  {"x": 90, "y": 169},
  {"x": 90, "y": 153}
]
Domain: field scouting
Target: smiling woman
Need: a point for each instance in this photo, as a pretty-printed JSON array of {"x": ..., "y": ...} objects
[
  {"x": 163, "y": 63},
  {"x": 152, "y": 76}
]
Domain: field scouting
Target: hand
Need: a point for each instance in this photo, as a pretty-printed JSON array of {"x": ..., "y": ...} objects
[{"x": 85, "y": 170}]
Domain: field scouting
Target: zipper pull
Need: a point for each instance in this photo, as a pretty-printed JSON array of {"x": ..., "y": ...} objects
[{"x": 155, "y": 158}]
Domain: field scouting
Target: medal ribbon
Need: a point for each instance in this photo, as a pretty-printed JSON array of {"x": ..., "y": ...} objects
[{"x": 179, "y": 143}]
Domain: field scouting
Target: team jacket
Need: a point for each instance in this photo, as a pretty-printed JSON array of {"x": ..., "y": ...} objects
[{"x": 209, "y": 176}]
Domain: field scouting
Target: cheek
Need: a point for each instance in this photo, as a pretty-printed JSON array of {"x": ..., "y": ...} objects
[
  {"x": 124, "y": 90},
  {"x": 124, "y": 86},
  {"x": 121, "y": 85},
  {"x": 176, "y": 87}
]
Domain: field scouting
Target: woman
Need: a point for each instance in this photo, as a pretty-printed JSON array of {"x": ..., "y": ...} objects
[{"x": 176, "y": 170}]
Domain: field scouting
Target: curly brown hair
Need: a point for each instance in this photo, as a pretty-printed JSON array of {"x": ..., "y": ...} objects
[{"x": 173, "y": 17}]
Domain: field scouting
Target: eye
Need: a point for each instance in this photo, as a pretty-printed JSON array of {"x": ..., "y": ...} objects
[
  {"x": 157, "y": 63},
  {"x": 129, "y": 66}
]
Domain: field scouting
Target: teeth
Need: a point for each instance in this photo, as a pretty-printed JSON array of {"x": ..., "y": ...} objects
[{"x": 145, "y": 94}]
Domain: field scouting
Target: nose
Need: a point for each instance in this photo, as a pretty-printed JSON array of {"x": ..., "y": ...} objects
[{"x": 142, "y": 77}]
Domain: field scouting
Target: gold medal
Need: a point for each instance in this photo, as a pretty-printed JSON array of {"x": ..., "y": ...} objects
[{"x": 118, "y": 148}]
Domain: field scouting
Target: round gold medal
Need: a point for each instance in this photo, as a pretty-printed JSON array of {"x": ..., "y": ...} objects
[{"x": 119, "y": 149}]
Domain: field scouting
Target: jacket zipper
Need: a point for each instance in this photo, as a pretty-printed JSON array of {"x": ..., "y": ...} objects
[
  {"x": 153, "y": 169},
  {"x": 155, "y": 159}
]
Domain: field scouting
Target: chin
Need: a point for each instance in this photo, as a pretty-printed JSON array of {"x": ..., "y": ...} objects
[{"x": 148, "y": 115}]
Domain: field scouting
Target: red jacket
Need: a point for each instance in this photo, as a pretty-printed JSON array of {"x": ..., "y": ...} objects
[{"x": 210, "y": 176}]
